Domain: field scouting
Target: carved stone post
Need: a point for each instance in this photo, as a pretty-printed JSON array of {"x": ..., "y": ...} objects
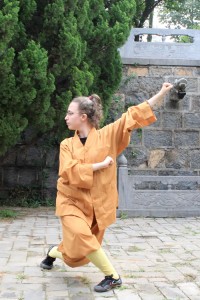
[{"x": 122, "y": 183}]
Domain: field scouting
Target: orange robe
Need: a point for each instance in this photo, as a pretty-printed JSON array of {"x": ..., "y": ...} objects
[{"x": 84, "y": 193}]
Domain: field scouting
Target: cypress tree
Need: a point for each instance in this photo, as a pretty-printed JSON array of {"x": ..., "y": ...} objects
[{"x": 51, "y": 51}]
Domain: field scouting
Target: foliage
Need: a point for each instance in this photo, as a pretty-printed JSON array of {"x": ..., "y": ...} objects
[
  {"x": 22, "y": 196},
  {"x": 178, "y": 13},
  {"x": 143, "y": 10},
  {"x": 7, "y": 213},
  {"x": 185, "y": 13},
  {"x": 51, "y": 51}
]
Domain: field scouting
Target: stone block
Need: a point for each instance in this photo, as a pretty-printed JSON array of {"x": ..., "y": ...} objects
[
  {"x": 186, "y": 138},
  {"x": 151, "y": 185},
  {"x": 139, "y": 71},
  {"x": 21, "y": 156},
  {"x": 135, "y": 99},
  {"x": 158, "y": 71},
  {"x": 10, "y": 177},
  {"x": 184, "y": 71},
  {"x": 195, "y": 159},
  {"x": 35, "y": 157},
  {"x": 155, "y": 158},
  {"x": 172, "y": 120},
  {"x": 49, "y": 178},
  {"x": 147, "y": 85},
  {"x": 186, "y": 173},
  {"x": 177, "y": 159},
  {"x": 198, "y": 85},
  {"x": 52, "y": 157},
  {"x": 186, "y": 185},
  {"x": 4, "y": 194},
  {"x": 176, "y": 172},
  {"x": 195, "y": 103},
  {"x": 197, "y": 71},
  {"x": 142, "y": 172},
  {"x": 157, "y": 138},
  {"x": 192, "y": 85},
  {"x": 26, "y": 177},
  {"x": 191, "y": 120},
  {"x": 158, "y": 121},
  {"x": 136, "y": 156},
  {"x": 136, "y": 138}
]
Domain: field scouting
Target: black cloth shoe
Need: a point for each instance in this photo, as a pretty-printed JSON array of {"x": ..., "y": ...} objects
[
  {"x": 107, "y": 284},
  {"x": 47, "y": 263}
]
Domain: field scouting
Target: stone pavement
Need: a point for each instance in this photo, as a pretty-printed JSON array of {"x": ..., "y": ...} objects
[{"x": 157, "y": 258}]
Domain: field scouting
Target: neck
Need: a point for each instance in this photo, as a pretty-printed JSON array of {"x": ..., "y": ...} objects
[{"x": 83, "y": 132}]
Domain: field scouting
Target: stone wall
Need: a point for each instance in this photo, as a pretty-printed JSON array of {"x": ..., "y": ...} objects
[
  {"x": 28, "y": 173},
  {"x": 171, "y": 146}
]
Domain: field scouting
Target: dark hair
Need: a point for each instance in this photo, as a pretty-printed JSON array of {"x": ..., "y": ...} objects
[{"x": 92, "y": 107}]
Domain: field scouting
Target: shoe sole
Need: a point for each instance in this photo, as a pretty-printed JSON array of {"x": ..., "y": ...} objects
[
  {"x": 46, "y": 267},
  {"x": 102, "y": 291}
]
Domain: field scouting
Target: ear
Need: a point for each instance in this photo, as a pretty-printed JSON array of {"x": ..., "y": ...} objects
[{"x": 84, "y": 117}]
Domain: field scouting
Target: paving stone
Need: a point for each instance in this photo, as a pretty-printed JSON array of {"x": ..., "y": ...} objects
[
  {"x": 158, "y": 259},
  {"x": 190, "y": 289},
  {"x": 34, "y": 295}
]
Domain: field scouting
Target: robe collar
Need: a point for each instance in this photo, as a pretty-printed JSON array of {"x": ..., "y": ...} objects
[{"x": 90, "y": 139}]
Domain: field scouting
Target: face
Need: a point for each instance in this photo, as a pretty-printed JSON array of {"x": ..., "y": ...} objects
[{"x": 74, "y": 119}]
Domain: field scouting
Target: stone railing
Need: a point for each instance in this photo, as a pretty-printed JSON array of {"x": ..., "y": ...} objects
[
  {"x": 164, "y": 52},
  {"x": 157, "y": 196}
]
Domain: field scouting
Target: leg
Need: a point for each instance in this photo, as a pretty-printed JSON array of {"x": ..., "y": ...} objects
[
  {"x": 78, "y": 241},
  {"x": 101, "y": 261}
]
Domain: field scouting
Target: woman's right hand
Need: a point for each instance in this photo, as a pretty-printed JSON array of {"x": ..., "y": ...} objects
[{"x": 108, "y": 161}]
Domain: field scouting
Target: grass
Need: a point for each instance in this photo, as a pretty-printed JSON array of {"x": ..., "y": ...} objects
[
  {"x": 122, "y": 287},
  {"x": 21, "y": 276},
  {"x": 123, "y": 216},
  {"x": 85, "y": 280},
  {"x": 7, "y": 213},
  {"x": 134, "y": 249}
]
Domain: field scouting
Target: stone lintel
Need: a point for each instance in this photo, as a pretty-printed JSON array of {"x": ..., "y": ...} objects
[{"x": 161, "y": 53}]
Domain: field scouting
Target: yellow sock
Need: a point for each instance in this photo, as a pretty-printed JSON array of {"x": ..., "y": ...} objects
[
  {"x": 55, "y": 253},
  {"x": 101, "y": 261}
]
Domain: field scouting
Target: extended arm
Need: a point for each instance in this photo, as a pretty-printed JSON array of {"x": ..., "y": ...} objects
[
  {"x": 135, "y": 117},
  {"x": 156, "y": 99}
]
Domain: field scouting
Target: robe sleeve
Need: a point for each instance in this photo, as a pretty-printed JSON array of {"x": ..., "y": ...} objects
[
  {"x": 135, "y": 117},
  {"x": 72, "y": 171}
]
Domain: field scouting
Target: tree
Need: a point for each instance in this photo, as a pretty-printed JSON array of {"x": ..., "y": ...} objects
[
  {"x": 144, "y": 9},
  {"x": 184, "y": 13},
  {"x": 181, "y": 14},
  {"x": 25, "y": 85},
  {"x": 51, "y": 51}
]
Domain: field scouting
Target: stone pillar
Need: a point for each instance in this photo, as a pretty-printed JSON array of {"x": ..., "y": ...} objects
[{"x": 122, "y": 182}]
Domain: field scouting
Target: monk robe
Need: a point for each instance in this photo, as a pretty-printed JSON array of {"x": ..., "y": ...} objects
[{"x": 86, "y": 199}]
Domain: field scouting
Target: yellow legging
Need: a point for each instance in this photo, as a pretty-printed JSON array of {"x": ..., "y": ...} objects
[
  {"x": 98, "y": 258},
  {"x": 101, "y": 261}
]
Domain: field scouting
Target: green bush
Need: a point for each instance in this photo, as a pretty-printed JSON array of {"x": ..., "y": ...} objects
[{"x": 51, "y": 51}]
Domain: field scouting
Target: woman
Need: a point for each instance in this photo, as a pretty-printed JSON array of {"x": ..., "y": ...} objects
[{"x": 87, "y": 190}]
